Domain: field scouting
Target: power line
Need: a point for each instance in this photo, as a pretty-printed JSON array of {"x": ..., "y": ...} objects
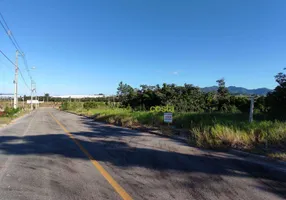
[
  {"x": 15, "y": 66},
  {"x": 15, "y": 43},
  {"x": 17, "y": 69},
  {"x": 10, "y": 34},
  {"x": 7, "y": 58},
  {"x": 24, "y": 79},
  {"x": 4, "y": 64},
  {"x": 27, "y": 67}
]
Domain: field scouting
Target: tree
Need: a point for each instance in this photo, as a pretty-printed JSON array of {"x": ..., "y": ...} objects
[
  {"x": 222, "y": 90},
  {"x": 281, "y": 79},
  {"x": 125, "y": 93},
  {"x": 186, "y": 98},
  {"x": 240, "y": 102},
  {"x": 210, "y": 101},
  {"x": 47, "y": 95},
  {"x": 260, "y": 105},
  {"x": 223, "y": 96},
  {"x": 276, "y": 100}
]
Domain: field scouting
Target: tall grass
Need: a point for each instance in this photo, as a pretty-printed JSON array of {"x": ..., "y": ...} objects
[
  {"x": 125, "y": 117},
  {"x": 231, "y": 130},
  {"x": 9, "y": 114},
  {"x": 215, "y": 130}
]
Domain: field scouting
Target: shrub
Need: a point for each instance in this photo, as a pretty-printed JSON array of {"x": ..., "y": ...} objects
[
  {"x": 92, "y": 104},
  {"x": 71, "y": 105},
  {"x": 64, "y": 105},
  {"x": 9, "y": 112},
  {"x": 2, "y": 114}
]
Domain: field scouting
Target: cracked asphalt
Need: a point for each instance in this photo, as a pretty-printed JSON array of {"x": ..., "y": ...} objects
[{"x": 50, "y": 154}]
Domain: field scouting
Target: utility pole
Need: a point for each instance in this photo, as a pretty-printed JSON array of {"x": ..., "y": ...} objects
[
  {"x": 24, "y": 102},
  {"x": 251, "y": 109},
  {"x": 32, "y": 90},
  {"x": 37, "y": 105},
  {"x": 31, "y": 95},
  {"x": 16, "y": 82},
  {"x": 47, "y": 97}
]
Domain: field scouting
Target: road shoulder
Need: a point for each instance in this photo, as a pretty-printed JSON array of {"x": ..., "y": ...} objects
[{"x": 276, "y": 167}]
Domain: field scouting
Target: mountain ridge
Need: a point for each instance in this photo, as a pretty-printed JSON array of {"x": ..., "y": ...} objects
[{"x": 239, "y": 90}]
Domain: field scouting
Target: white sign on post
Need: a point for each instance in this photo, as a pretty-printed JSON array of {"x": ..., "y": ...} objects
[
  {"x": 33, "y": 101},
  {"x": 168, "y": 117}
]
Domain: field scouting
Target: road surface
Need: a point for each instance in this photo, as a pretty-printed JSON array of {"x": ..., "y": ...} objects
[{"x": 51, "y": 154}]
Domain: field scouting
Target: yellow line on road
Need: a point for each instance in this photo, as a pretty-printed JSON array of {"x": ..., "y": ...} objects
[{"x": 98, "y": 166}]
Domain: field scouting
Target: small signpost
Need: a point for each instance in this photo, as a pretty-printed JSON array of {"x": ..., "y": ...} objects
[
  {"x": 251, "y": 109},
  {"x": 33, "y": 101},
  {"x": 168, "y": 117}
]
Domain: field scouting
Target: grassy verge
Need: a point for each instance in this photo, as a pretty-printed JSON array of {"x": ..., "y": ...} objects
[
  {"x": 4, "y": 120},
  {"x": 7, "y": 119},
  {"x": 217, "y": 130}
]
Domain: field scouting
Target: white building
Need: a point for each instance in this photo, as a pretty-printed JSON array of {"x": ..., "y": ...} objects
[
  {"x": 6, "y": 96},
  {"x": 79, "y": 96}
]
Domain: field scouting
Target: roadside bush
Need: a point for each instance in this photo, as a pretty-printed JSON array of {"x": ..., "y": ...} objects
[
  {"x": 92, "y": 104},
  {"x": 9, "y": 112},
  {"x": 148, "y": 118},
  {"x": 64, "y": 106},
  {"x": 71, "y": 106},
  {"x": 2, "y": 114}
]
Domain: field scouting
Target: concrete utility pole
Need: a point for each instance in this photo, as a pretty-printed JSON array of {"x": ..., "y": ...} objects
[
  {"x": 31, "y": 95},
  {"x": 16, "y": 82},
  {"x": 23, "y": 102},
  {"x": 37, "y": 105},
  {"x": 32, "y": 90},
  {"x": 251, "y": 109}
]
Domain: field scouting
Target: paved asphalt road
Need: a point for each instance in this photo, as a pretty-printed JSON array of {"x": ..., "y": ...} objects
[{"x": 65, "y": 156}]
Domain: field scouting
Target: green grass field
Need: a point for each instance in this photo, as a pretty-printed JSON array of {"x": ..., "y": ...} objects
[{"x": 215, "y": 130}]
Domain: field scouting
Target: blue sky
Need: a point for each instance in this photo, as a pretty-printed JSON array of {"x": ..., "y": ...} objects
[{"x": 87, "y": 47}]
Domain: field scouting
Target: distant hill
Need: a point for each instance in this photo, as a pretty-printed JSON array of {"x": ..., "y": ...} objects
[{"x": 239, "y": 90}]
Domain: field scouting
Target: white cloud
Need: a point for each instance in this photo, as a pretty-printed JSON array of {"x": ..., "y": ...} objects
[{"x": 175, "y": 73}]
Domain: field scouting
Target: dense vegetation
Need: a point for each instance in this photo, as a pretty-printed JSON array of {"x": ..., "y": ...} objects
[
  {"x": 213, "y": 119},
  {"x": 9, "y": 112},
  {"x": 189, "y": 98}
]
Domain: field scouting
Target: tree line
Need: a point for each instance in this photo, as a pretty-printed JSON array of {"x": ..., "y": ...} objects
[{"x": 189, "y": 98}]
